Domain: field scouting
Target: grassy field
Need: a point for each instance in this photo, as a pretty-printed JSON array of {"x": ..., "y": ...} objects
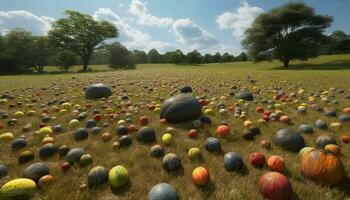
[{"x": 212, "y": 82}]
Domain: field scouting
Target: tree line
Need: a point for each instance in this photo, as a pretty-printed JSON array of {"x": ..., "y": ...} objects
[{"x": 292, "y": 31}]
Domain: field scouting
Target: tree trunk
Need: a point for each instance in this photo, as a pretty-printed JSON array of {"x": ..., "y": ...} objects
[
  {"x": 86, "y": 63},
  {"x": 286, "y": 63}
]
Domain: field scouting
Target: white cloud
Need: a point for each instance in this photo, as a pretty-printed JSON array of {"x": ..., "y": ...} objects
[
  {"x": 129, "y": 36},
  {"x": 239, "y": 20},
  {"x": 38, "y": 25},
  {"x": 139, "y": 9},
  {"x": 192, "y": 35}
]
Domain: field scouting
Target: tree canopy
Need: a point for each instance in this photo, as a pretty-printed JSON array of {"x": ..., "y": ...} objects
[
  {"x": 81, "y": 33},
  {"x": 292, "y": 31}
]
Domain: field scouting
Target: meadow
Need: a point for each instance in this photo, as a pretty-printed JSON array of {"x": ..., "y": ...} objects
[{"x": 150, "y": 83}]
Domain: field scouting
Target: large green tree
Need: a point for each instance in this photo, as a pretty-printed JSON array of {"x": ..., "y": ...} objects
[
  {"x": 193, "y": 57},
  {"x": 154, "y": 56},
  {"x": 292, "y": 31},
  {"x": 81, "y": 33},
  {"x": 120, "y": 57}
]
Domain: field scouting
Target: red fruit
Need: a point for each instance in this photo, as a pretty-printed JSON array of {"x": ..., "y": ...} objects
[
  {"x": 275, "y": 186},
  {"x": 284, "y": 119},
  {"x": 257, "y": 159},
  {"x": 345, "y": 138},
  {"x": 65, "y": 166},
  {"x": 162, "y": 121},
  {"x": 144, "y": 120},
  {"x": 193, "y": 133},
  {"x": 267, "y": 112},
  {"x": 42, "y": 125},
  {"x": 203, "y": 102},
  {"x": 151, "y": 107},
  {"x": 266, "y": 117},
  {"x": 97, "y": 117},
  {"x": 45, "y": 110},
  {"x": 200, "y": 176},
  {"x": 259, "y": 109},
  {"x": 276, "y": 163},
  {"x": 223, "y": 130},
  {"x": 346, "y": 110}
]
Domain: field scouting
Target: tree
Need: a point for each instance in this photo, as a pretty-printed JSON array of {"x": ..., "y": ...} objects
[
  {"x": 18, "y": 51},
  {"x": 226, "y": 57},
  {"x": 217, "y": 58},
  {"x": 154, "y": 56},
  {"x": 120, "y": 57},
  {"x": 207, "y": 58},
  {"x": 177, "y": 57},
  {"x": 338, "y": 43},
  {"x": 140, "y": 56},
  {"x": 193, "y": 57},
  {"x": 242, "y": 57},
  {"x": 81, "y": 33},
  {"x": 42, "y": 52},
  {"x": 292, "y": 31},
  {"x": 66, "y": 59}
]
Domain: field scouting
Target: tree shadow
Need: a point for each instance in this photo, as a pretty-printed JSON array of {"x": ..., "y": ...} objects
[{"x": 334, "y": 65}]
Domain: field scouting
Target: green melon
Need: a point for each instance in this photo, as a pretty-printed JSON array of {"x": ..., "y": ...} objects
[
  {"x": 18, "y": 188},
  {"x": 118, "y": 176}
]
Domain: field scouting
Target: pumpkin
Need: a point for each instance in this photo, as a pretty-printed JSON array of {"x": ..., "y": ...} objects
[
  {"x": 276, "y": 163},
  {"x": 163, "y": 191},
  {"x": 180, "y": 108},
  {"x": 245, "y": 95},
  {"x": 98, "y": 90},
  {"x": 97, "y": 176},
  {"x": 257, "y": 159},
  {"x": 323, "y": 140},
  {"x": 18, "y": 188},
  {"x": 36, "y": 171},
  {"x": 122, "y": 130},
  {"x": 45, "y": 181},
  {"x": 157, "y": 151},
  {"x": 200, "y": 176},
  {"x": 146, "y": 134},
  {"x": 223, "y": 130},
  {"x": 333, "y": 148},
  {"x": 322, "y": 167},
  {"x": 171, "y": 162},
  {"x": 19, "y": 143},
  {"x": 289, "y": 140},
  {"x": 345, "y": 138},
  {"x": 305, "y": 150},
  {"x": 65, "y": 166},
  {"x": 275, "y": 186},
  {"x": 118, "y": 176},
  {"x": 233, "y": 161},
  {"x": 212, "y": 144},
  {"x": 166, "y": 138}
]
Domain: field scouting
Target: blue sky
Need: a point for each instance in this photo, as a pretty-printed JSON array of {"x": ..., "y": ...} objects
[{"x": 206, "y": 25}]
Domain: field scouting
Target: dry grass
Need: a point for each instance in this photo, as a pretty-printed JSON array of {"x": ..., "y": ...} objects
[{"x": 212, "y": 81}]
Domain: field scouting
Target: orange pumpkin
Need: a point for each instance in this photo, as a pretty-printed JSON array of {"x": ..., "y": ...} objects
[
  {"x": 200, "y": 176},
  {"x": 345, "y": 138},
  {"x": 346, "y": 110},
  {"x": 322, "y": 167},
  {"x": 276, "y": 163},
  {"x": 333, "y": 148},
  {"x": 223, "y": 130}
]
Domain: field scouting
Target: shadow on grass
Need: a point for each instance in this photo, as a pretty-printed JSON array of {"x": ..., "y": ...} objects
[
  {"x": 334, "y": 65},
  {"x": 207, "y": 190},
  {"x": 121, "y": 190}
]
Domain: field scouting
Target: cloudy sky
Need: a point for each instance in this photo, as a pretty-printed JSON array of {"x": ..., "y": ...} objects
[{"x": 205, "y": 25}]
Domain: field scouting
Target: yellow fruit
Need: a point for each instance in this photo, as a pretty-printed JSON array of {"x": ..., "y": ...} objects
[{"x": 18, "y": 188}]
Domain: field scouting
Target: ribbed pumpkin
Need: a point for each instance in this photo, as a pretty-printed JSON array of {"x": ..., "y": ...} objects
[
  {"x": 322, "y": 167},
  {"x": 275, "y": 186},
  {"x": 200, "y": 176}
]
